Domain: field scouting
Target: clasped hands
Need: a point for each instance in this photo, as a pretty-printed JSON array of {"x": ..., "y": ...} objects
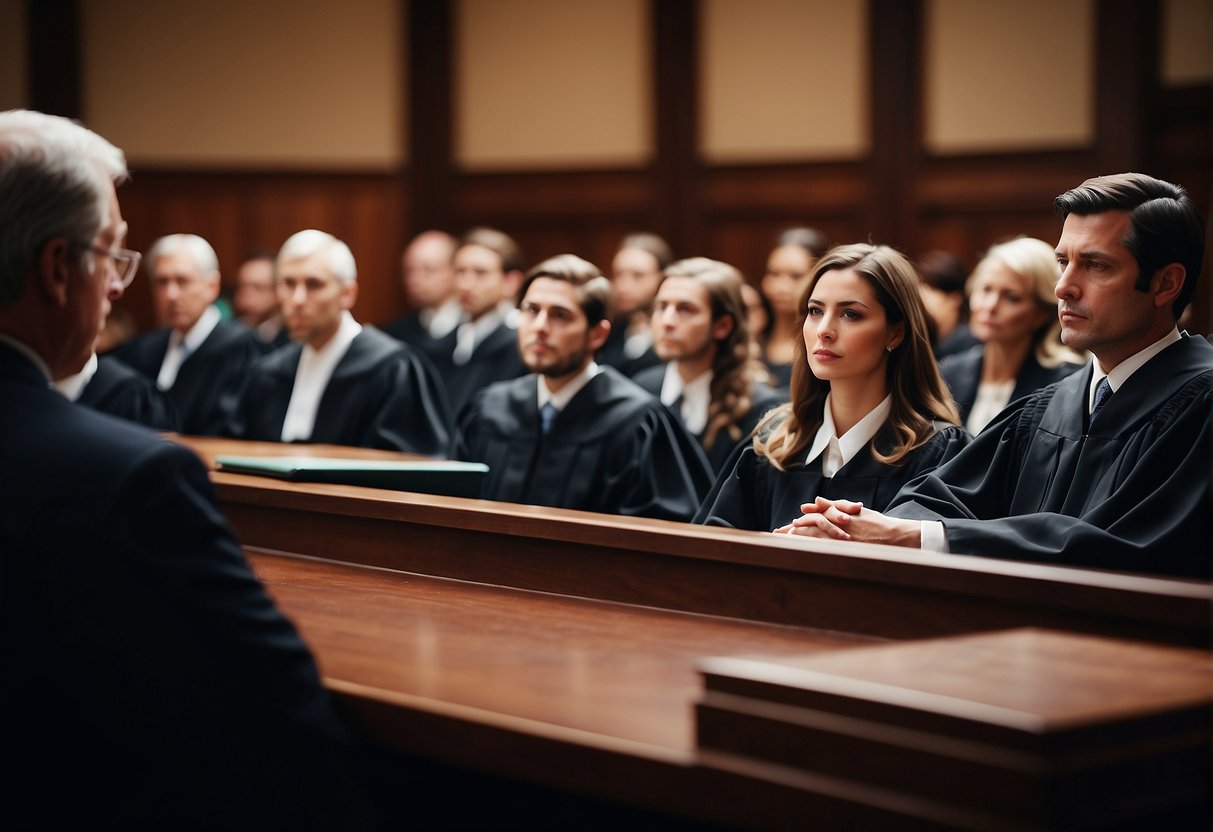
[{"x": 845, "y": 520}]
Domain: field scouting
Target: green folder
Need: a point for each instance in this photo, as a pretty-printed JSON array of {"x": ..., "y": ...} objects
[{"x": 449, "y": 478}]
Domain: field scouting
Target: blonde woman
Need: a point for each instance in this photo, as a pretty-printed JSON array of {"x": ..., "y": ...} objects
[
  {"x": 869, "y": 410},
  {"x": 1013, "y": 312}
]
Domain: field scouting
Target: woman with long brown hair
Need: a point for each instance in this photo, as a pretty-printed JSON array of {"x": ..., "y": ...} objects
[{"x": 869, "y": 410}]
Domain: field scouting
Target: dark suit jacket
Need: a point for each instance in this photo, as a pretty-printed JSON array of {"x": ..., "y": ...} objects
[
  {"x": 149, "y": 681},
  {"x": 962, "y": 372},
  {"x": 496, "y": 358},
  {"x": 209, "y": 381},
  {"x": 764, "y": 398},
  {"x": 118, "y": 390}
]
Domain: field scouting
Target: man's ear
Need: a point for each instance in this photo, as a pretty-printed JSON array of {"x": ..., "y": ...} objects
[
  {"x": 722, "y": 327},
  {"x": 1167, "y": 283},
  {"x": 51, "y": 270},
  {"x": 597, "y": 335},
  {"x": 349, "y": 294}
]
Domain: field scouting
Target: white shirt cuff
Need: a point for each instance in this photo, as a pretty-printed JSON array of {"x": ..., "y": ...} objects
[{"x": 934, "y": 538}]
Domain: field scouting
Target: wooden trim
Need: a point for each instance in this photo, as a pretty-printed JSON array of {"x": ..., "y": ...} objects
[
  {"x": 430, "y": 48},
  {"x": 1126, "y": 68},
  {"x": 53, "y": 57},
  {"x": 895, "y": 61},
  {"x": 675, "y": 51}
]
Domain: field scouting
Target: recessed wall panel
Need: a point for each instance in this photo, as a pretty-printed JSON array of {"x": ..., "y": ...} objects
[
  {"x": 783, "y": 80},
  {"x": 1187, "y": 46},
  {"x": 276, "y": 83},
  {"x": 543, "y": 84},
  {"x": 1009, "y": 76},
  {"x": 12, "y": 55}
]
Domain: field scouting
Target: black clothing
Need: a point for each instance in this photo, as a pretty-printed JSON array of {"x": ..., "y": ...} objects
[
  {"x": 613, "y": 449},
  {"x": 382, "y": 394},
  {"x": 962, "y": 372},
  {"x": 753, "y": 494},
  {"x": 495, "y": 358},
  {"x": 209, "y": 380},
  {"x": 149, "y": 681},
  {"x": 1131, "y": 493},
  {"x": 118, "y": 390},
  {"x": 763, "y": 397},
  {"x": 612, "y": 354}
]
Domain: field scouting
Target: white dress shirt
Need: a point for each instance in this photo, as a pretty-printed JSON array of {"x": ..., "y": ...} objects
[
  {"x": 72, "y": 386},
  {"x": 992, "y": 397},
  {"x": 836, "y": 451},
  {"x": 179, "y": 347},
  {"x": 696, "y": 397},
  {"x": 442, "y": 321},
  {"x": 470, "y": 333},
  {"x": 312, "y": 378},
  {"x": 561, "y": 398}
]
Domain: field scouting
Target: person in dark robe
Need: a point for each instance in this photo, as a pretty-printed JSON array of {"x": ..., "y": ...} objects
[
  {"x": 789, "y": 265},
  {"x": 869, "y": 410},
  {"x": 255, "y": 301},
  {"x": 484, "y": 347},
  {"x": 339, "y": 382},
  {"x": 574, "y": 434},
  {"x": 712, "y": 379},
  {"x": 1108, "y": 468},
  {"x": 428, "y": 277},
  {"x": 149, "y": 682},
  {"x": 636, "y": 271},
  {"x": 1014, "y": 316},
  {"x": 107, "y": 384},
  {"x": 197, "y": 358},
  {"x": 942, "y": 279}
]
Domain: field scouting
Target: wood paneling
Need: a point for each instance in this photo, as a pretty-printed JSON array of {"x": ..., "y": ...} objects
[{"x": 237, "y": 211}]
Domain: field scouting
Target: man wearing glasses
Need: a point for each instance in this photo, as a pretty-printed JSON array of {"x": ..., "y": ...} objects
[
  {"x": 149, "y": 681},
  {"x": 109, "y": 384},
  {"x": 197, "y": 358}
]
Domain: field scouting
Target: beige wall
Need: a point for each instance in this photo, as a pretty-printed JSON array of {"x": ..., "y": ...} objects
[
  {"x": 1002, "y": 76},
  {"x": 276, "y": 83},
  {"x": 12, "y": 55},
  {"x": 1187, "y": 56},
  {"x": 567, "y": 83},
  {"x": 784, "y": 79},
  {"x": 551, "y": 83}
]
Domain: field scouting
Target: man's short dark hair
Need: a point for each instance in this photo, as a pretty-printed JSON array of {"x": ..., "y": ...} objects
[
  {"x": 592, "y": 290},
  {"x": 1166, "y": 227},
  {"x": 496, "y": 241}
]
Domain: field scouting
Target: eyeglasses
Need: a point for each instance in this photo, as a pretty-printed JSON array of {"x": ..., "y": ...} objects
[{"x": 126, "y": 262}]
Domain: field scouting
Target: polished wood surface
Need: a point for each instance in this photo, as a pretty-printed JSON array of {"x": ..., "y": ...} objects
[{"x": 562, "y": 649}]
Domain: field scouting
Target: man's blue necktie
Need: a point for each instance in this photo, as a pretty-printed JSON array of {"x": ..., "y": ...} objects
[
  {"x": 547, "y": 415},
  {"x": 1102, "y": 393}
]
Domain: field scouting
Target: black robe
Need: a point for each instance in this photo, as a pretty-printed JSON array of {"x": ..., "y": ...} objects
[
  {"x": 962, "y": 372},
  {"x": 409, "y": 329},
  {"x": 755, "y": 495},
  {"x": 496, "y": 358},
  {"x": 763, "y": 399},
  {"x": 118, "y": 390},
  {"x": 612, "y": 354},
  {"x": 957, "y": 341},
  {"x": 1130, "y": 493},
  {"x": 382, "y": 394},
  {"x": 209, "y": 380},
  {"x": 613, "y": 449}
]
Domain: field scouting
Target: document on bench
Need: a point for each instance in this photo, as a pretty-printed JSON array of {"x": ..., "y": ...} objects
[{"x": 445, "y": 477}]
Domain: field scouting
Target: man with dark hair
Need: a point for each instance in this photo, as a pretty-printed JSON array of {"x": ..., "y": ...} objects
[
  {"x": 149, "y": 681},
  {"x": 712, "y": 379},
  {"x": 483, "y": 348},
  {"x": 196, "y": 357},
  {"x": 942, "y": 277},
  {"x": 574, "y": 434},
  {"x": 1108, "y": 468}
]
